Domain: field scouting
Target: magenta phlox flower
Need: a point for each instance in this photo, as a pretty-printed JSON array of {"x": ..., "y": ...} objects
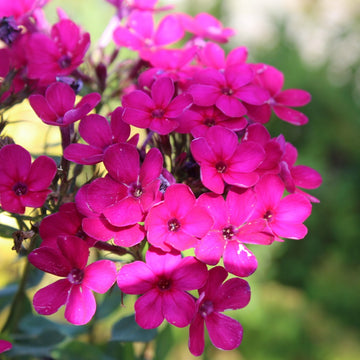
[
  {"x": 213, "y": 56},
  {"x": 5, "y": 346},
  {"x": 22, "y": 183},
  {"x": 57, "y": 106},
  {"x": 206, "y": 26},
  {"x": 226, "y": 88},
  {"x": 96, "y": 225},
  {"x": 140, "y": 31},
  {"x": 58, "y": 54},
  {"x": 273, "y": 152},
  {"x": 284, "y": 215},
  {"x": 20, "y": 9},
  {"x": 158, "y": 112},
  {"x": 215, "y": 297},
  {"x": 163, "y": 281},
  {"x": 232, "y": 228},
  {"x": 177, "y": 222},
  {"x": 223, "y": 159},
  {"x": 146, "y": 5},
  {"x": 281, "y": 101},
  {"x": 69, "y": 261},
  {"x": 99, "y": 134},
  {"x": 198, "y": 120},
  {"x": 129, "y": 190},
  {"x": 67, "y": 221},
  {"x": 295, "y": 176}
]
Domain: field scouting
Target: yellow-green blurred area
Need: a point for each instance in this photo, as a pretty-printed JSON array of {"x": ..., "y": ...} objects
[{"x": 305, "y": 294}]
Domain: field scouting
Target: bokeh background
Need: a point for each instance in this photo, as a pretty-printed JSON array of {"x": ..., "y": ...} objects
[{"x": 305, "y": 294}]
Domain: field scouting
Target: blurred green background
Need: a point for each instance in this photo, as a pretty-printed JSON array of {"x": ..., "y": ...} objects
[{"x": 305, "y": 294}]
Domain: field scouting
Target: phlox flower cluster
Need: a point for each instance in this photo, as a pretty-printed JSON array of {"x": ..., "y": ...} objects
[{"x": 188, "y": 200}]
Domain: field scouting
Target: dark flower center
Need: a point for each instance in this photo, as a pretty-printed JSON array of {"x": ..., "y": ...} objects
[
  {"x": 228, "y": 232},
  {"x": 173, "y": 225},
  {"x": 269, "y": 216},
  {"x": 20, "y": 189},
  {"x": 206, "y": 308},
  {"x": 164, "y": 284},
  {"x": 136, "y": 190},
  {"x": 157, "y": 113},
  {"x": 227, "y": 91},
  {"x": 9, "y": 30},
  {"x": 209, "y": 122},
  {"x": 64, "y": 61},
  {"x": 220, "y": 167},
  {"x": 76, "y": 276}
]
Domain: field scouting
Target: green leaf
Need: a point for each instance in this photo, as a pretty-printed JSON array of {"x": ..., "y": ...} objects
[
  {"x": 110, "y": 303},
  {"x": 116, "y": 350},
  {"x": 7, "y": 231},
  {"x": 76, "y": 350},
  {"x": 164, "y": 342},
  {"x": 6, "y": 294},
  {"x": 126, "y": 329}
]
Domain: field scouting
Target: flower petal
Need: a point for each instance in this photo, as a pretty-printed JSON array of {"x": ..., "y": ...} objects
[
  {"x": 148, "y": 310},
  {"x": 100, "y": 276}
]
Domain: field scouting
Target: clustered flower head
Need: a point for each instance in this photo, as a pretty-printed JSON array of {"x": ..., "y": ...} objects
[{"x": 188, "y": 166}]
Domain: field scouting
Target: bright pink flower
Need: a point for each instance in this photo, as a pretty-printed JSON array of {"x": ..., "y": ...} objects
[
  {"x": 57, "y": 106},
  {"x": 20, "y": 9},
  {"x": 157, "y": 112},
  {"x": 206, "y": 26},
  {"x": 57, "y": 55},
  {"x": 216, "y": 297},
  {"x": 223, "y": 160},
  {"x": 22, "y": 183},
  {"x": 96, "y": 225},
  {"x": 281, "y": 101},
  {"x": 295, "y": 176},
  {"x": 5, "y": 346},
  {"x": 140, "y": 32},
  {"x": 232, "y": 228},
  {"x": 67, "y": 221},
  {"x": 284, "y": 215},
  {"x": 177, "y": 222},
  {"x": 69, "y": 260},
  {"x": 163, "y": 282},
  {"x": 129, "y": 190},
  {"x": 99, "y": 134},
  {"x": 226, "y": 88},
  {"x": 198, "y": 120}
]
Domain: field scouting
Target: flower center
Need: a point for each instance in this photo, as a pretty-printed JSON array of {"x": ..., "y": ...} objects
[
  {"x": 136, "y": 190},
  {"x": 220, "y": 167},
  {"x": 209, "y": 122},
  {"x": 64, "y": 61},
  {"x": 20, "y": 189},
  {"x": 76, "y": 276},
  {"x": 227, "y": 91},
  {"x": 164, "y": 284},
  {"x": 173, "y": 225},
  {"x": 228, "y": 232},
  {"x": 157, "y": 113},
  {"x": 269, "y": 216},
  {"x": 206, "y": 308}
]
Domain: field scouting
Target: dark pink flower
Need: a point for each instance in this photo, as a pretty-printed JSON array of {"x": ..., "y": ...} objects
[
  {"x": 129, "y": 190},
  {"x": 177, "y": 222},
  {"x": 295, "y": 176},
  {"x": 20, "y": 9},
  {"x": 96, "y": 225},
  {"x": 232, "y": 228},
  {"x": 163, "y": 281},
  {"x": 68, "y": 260},
  {"x": 57, "y": 106},
  {"x": 140, "y": 32},
  {"x": 58, "y": 54},
  {"x": 157, "y": 112},
  {"x": 226, "y": 88},
  {"x": 281, "y": 101},
  {"x": 223, "y": 160},
  {"x": 5, "y": 346},
  {"x": 214, "y": 298},
  {"x": 22, "y": 183},
  {"x": 67, "y": 221},
  {"x": 99, "y": 134},
  {"x": 284, "y": 215}
]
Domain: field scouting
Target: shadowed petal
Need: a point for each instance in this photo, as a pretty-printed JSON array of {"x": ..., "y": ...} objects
[{"x": 148, "y": 310}]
